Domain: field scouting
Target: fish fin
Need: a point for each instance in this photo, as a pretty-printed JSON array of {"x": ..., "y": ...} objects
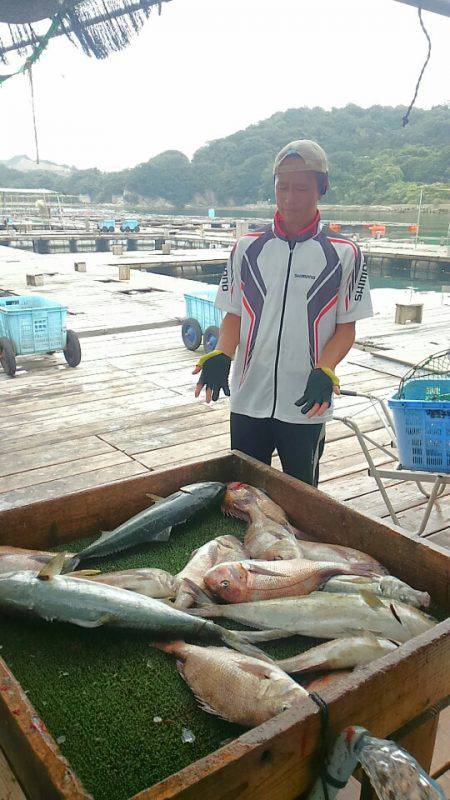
[
  {"x": 268, "y": 635},
  {"x": 161, "y": 536},
  {"x": 254, "y": 567},
  {"x": 395, "y": 613},
  {"x": 259, "y": 670},
  {"x": 169, "y": 647},
  {"x": 52, "y": 568},
  {"x": 95, "y": 623},
  {"x": 83, "y": 573},
  {"x": 238, "y": 641},
  {"x": 199, "y": 595},
  {"x": 155, "y": 497},
  {"x": 70, "y": 565},
  {"x": 209, "y": 709},
  {"x": 206, "y": 611},
  {"x": 371, "y": 599},
  {"x": 370, "y": 637},
  {"x": 104, "y": 535}
]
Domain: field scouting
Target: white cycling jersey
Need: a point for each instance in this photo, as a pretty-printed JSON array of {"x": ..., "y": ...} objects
[{"x": 289, "y": 294}]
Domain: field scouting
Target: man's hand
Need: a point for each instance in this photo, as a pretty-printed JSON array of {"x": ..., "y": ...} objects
[
  {"x": 214, "y": 370},
  {"x": 319, "y": 388}
]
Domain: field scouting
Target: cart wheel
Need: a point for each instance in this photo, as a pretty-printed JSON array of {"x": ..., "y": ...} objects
[
  {"x": 210, "y": 338},
  {"x": 137, "y": 229},
  {"x": 50, "y": 353},
  {"x": 191, "y": 333},
  {"x": 127, "y": 230},
  {"x": 7, "y": 357},
  {"x": 72, "y": 350}
]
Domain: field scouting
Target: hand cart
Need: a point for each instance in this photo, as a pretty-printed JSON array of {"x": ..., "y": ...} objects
[
  {"x": 34, "y": 324},
  {"x": 202, "y": 320}
]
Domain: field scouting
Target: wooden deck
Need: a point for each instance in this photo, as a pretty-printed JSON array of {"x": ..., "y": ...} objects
[{"x": 129, "y": 407}]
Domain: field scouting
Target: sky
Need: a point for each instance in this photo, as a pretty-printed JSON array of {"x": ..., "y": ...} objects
[{"x": 207, "y": 68}]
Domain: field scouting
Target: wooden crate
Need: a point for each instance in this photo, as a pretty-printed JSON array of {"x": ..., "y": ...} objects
[{"x": 279, "y": 759}]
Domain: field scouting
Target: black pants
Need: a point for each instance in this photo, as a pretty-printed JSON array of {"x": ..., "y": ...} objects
[{"x": 299, "y": 446}]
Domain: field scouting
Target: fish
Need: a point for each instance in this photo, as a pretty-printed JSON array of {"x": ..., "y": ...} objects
[
  {"x": 268, "y": 540},
  {"x": 18, "y": 558},
  {"x": 233, "y": 686},
  {"x": 53, "y": 597},
  {"x": 345, "y": 653},
  {"x": 149, "y": 581},
  {"x": 246, "y": 581},
  {"x": 327, "y": 682},
  {"x": 324, "y": 616},
  {"x": 152, "y": 524},
  {"x": 383, "y": 586},
  {"x": 270, "y": 536},
  {"x": 223, "y": 548}
]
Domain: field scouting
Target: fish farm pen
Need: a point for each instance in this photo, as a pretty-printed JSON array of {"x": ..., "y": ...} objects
[{"x": 101, "y": 712}]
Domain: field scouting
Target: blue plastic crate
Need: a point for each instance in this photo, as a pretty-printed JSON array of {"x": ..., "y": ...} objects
[
  {"x": 34, "y": 324},
  {"x": 422, "y": 425},
  {"x": 200, "y": 306}
]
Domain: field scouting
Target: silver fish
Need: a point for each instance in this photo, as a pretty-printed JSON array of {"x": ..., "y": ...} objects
[
  {"x": 345, "y": 653},
  {"x": 326, "y": 616},
  {"x": 383, "y": 586},
  {"x": 154, "y": 523},
  {"x": 150, "y": 581},
  {"x": 89, "y": 604}
]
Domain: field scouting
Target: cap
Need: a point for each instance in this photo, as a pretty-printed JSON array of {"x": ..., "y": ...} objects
[{"x": 311, "y": 154}]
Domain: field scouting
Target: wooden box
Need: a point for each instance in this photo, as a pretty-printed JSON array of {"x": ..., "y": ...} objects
[{"x": 279, "y": 759}]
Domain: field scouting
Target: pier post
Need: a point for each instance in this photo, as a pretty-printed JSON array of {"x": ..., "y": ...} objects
[
  {"x": 73, "y": 246},
  {"x": 159, "y": 241},
  {"x": 80, "y": 266},
  {"x": 101, "y": 245},
  {"x": 43, "y": 247},
  {"x": 132, "y": 244}
]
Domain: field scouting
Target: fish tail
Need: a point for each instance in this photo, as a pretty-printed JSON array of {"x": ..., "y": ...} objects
[
  {"x": 367, "y": 570},
  {"x": 71, "y": 565},
  {"x": 238, "y": 641}
]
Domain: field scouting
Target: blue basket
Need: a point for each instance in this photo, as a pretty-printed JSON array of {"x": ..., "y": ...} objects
[
  {"x": 33, "y": 324},
  {"x": 422, "y": 425},
  {"x": 200, "y": 306}
]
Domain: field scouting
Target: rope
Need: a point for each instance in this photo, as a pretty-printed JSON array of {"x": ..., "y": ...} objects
[
  {"x": 30, "y": 76},
  {"x": 37, "y": 50},
  {"x": 405, "y": 118},
  {"x": 325, "y": 724}
]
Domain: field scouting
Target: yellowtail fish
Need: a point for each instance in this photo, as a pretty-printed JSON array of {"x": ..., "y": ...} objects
[
  {"x": 149, "y": 581},
  {"x": 345, "y": 653},
  {"x": 17, "y": 558}
]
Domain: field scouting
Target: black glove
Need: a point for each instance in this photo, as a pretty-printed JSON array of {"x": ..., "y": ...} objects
[
  {"x": 319, "y": 389},
  {"x": 215, "y": 371}
]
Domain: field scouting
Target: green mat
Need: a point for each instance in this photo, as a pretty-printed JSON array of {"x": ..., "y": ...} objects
[{"x": 116, "y": 706}]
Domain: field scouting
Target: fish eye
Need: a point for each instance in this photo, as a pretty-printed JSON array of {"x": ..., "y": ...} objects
[
  {"x": 285, "y": 706},
  {"x": 224, "y": 584}
]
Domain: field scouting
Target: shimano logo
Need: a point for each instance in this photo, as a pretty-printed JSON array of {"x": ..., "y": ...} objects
[
  {"x": 361, "y": 284},
  {"x": 304, "y": 275}
]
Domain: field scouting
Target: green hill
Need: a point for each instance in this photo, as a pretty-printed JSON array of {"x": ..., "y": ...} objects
[{"x": 373, "y": 159}]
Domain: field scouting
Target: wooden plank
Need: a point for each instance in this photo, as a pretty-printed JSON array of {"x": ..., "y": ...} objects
[
  {"x": 63, "y": 486},
  {"x": 58, "y": 453},
  {"x": 44, "y": 772},
  {"x": 78, "y": 466},
  {"x": 442, "y": 538},
  {"x": 170, "y": 455},
  {"x": 441, "y": 756},
  {"x": 9, "y": 785},
  {"x": 402, "y": 496}
]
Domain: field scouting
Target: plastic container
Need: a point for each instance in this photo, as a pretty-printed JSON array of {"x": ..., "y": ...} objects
[
  {"x": 33, "y": 324},
  {"x": 422, "y": 425},
  {"x": 201, "y": 307}
]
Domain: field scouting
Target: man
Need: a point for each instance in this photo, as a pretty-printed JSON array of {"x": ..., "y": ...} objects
[{"x": 292, "y": 294}]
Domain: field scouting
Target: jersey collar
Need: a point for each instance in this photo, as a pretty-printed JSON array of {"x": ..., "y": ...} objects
[{"x": 301, "y": 235}]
